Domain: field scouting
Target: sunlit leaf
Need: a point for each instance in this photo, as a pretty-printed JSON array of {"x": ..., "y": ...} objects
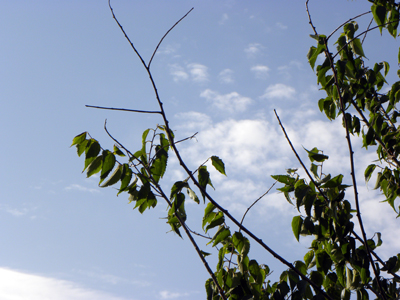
[
  {"x": 218, "y": 164},
  {"x": 114, "y": 177},
  {"x": 79, "y": 139},
  {"x": 108, "y": 164},
  {"x": 94, "y": 167},
  {"x": 118, "y": 151}
]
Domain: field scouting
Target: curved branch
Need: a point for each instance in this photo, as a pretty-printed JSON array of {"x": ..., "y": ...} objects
[{"x": 159, "y": 43}]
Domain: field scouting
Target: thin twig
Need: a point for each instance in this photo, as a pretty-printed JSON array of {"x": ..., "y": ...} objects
[
  {"x": 159, "y": 43},
  {"x": 125, "y": 109},
  {"x": 221, "y": 291},
  {"x": 247, "y": 210},
  {"x": 349, "y": 20}
]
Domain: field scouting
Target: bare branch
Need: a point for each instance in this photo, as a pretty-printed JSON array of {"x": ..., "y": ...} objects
[
  {"x": 159, "y": 43},
  {"x": 125, "y": 109},
  {"x": 247, "y": 210}
]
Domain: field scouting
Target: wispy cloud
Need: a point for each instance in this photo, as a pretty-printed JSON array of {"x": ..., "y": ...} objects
[
  {"x": 172, "y": 295},
  {"x": 113, "y": 279},
  {"x": 224, "y": 18},
  {"x": 287, "y": 70},
  {"x": 168, "y": 49},
  {"x": 260, "y": 71},
  {"x": 253, "y": 49},
  {"x": 198, "y": 72},
  {"x": 193, "y": 121},
  {"x": 279, "y": 91},
  {"x": 232, "y": 102},
  {"x": 194, "y": 71},
  {"x": 281, "y": 26},
  {"x": 78, "y": 187},
  {"x": 37, "y": 287},
  {"x": 226, "y": 76},
  {"x": 178, "y": 73}
]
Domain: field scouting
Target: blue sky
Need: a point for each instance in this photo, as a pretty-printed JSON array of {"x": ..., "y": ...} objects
[{"x": 221, "y": 73}]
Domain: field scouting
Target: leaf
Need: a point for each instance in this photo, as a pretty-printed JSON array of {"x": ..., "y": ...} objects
[
  {"x": 79, "y": 139},
  {"x": 192, "y": 195},
  {"x": 379, "y": 14},
  {"x": 357, "y": 47},
  {"x": 114, "y": 178},
  {"x": 92, "y": 150},
  {"x": 177, "y": 188},
  {"x": 118, "y": 151},
  {"x": 218, "y": 164},
  {"x": 222, "y": 234},
  {"x": 368, "y": 172},
  {"x": 94, "y": 167},
  {"x": 386, "y": 68},
  {"x": 297, "y": 221},
  {"x": 314, "y": 155},
  {"x": 159, "y": 165},
  {"x": 216, "y": 221},
  {"x": 242, "y": 244},
  {"x": 126, "y": 177},
  {"x": 308, "y": 257},
  {"x": 203, "y": 177},
  {"x": 108, "y": 164}
]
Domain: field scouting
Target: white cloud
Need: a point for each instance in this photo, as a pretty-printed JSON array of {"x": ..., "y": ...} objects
[
  {"x": 253, "y": 49},
  {"x": 194, "y": 71},
  {"x": 224, "y": 18},
  {"x": 168, "y": 49},
  {"x": 17, "y": 285},
  {"x": 178, "y": 73},
  {"x": 287, "y": 70},
  {"x": 81, "y": 188},
  {"x": 280, "y": 25},
  {"x": 194, "y": 121},
  {"x": 226, "y": 76},
  {"x": 279, "y": 91},
  {"x": 171, "y": 295},
  {"x": 198, "y": 72},
  {"x": 260, "y": 71},
  {"x": 112, "y": 279},
  {"x": 232, "y": 102}
]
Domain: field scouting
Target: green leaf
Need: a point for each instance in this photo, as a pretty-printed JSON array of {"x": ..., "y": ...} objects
[
  {"x": 308, "y": 257},
  {"x": 216, "y": 221},
  {"x": 159, "y": 165},
  {"x": 92, "y": 150},
  {"x": 118, "y": 151},
  {"x": 297, "y": 221},
  {"x": 379, "y": 13},
  {"x": 218, "y": 164},
  {"x": 126, "y": 177},
  {"x": 222, "y": 234},
  {"x": 314, "y": 155},
  {"x": 204, "y": 178},
  {"x": 177, "y": 188},
  {"x": 108, "y": 164},
  {"x": 386, "y": 67},
  {"x": 79, "y": 139},
  {"x": 114, "y": 177},
  {"x": 192, "y": 195},
  {"x": 357, "y": 47},
  {"x": 94, "y": 167},
  {"x": 242, "y": 244},
  {"x": 368, "y": 172}
]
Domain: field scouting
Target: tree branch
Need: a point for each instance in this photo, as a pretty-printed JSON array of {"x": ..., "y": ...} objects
[{"x": 125, "y": 109}]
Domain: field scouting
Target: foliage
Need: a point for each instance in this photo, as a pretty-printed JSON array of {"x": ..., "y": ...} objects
[{"x": 340, "y": 263}]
